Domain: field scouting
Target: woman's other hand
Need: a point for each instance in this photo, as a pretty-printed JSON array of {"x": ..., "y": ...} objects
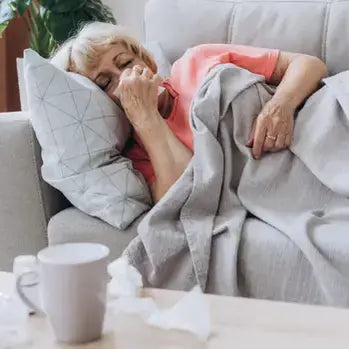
[
  {"x": 272, "y": 130},
  {"x": 297, "y": 76},
  {"x": 138, "y": 95}
]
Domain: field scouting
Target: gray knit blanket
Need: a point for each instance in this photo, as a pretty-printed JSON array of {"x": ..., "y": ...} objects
[{"x": 191, "y": 236}]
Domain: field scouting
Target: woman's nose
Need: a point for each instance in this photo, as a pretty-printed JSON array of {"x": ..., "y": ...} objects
[
  {"x": 116, "y": 71},
  {"x": 115, "y": 76}
]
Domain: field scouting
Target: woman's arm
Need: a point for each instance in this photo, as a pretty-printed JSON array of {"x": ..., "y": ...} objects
[
  {"x": 168, "y": 156},
  {"x": 297, "y": 77},
  {"x": 138, "y": 94}
]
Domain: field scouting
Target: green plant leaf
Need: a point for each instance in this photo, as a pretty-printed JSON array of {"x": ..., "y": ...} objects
[
  {"x": 61, "y": 6},
  {"x": 99, "y": 12},
  {"x": 56, "y": 21},
  {"x": 41, "y": 39},
  {"x": 6, "y": 13},
  {"x": 19, "y": 6},
  {"x": 63, "y": 25},
  {"x": 3, "y": 26}
]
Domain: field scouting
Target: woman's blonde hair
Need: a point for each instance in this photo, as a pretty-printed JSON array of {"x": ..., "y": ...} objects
[{"x": 82, "y": 52}]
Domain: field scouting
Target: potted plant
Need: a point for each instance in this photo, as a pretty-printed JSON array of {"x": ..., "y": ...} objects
[{"x": 51, "y": 22}]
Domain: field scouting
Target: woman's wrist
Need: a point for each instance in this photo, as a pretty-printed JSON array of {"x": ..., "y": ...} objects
[
  {"x": 147, "y": 122},
  {"x": 301, "y": 79},
  {"x": 284, "y": 102},
  {"x": 153, "y": 132}
]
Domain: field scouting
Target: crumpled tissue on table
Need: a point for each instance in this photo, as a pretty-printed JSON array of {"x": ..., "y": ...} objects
[
  {"x": 13, "y": 318},
  {"x": 191, "y": 313}
]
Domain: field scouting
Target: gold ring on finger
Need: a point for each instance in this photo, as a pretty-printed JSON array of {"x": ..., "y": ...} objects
[{"x": 273, "y": 138}]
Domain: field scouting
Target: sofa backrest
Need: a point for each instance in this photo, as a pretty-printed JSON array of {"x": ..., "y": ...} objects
[{"x": 316, "y": 27}]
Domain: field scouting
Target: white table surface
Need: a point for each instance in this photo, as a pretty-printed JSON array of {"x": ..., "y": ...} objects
[{"x": 236, "y": 322}]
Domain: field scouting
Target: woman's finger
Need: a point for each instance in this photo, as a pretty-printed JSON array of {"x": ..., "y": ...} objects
[
  {"x": 147, "y": 73},
  {"x": 137, "y": 70},
  {"x": 288, "y": 140},
  {"x": 157, "y": 79},
  {"x": 251, "y": 137},
  {"x": 280, "y": 142},
  {"x": 258, "y": 141},
  {"x": 269, "y": 142}
]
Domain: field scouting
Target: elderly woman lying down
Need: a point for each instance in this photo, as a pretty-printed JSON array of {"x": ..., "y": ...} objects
[{"x": 162, "y": 143}]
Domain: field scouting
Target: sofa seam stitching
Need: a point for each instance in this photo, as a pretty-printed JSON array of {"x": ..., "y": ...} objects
[
  {"x": 231, "y": 24},
  {"x": 325, "y": 32},
  {"x": 43, "y": 220}
]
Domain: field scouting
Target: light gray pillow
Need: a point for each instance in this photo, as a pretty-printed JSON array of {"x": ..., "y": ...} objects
[{"x": 82, "y": 133}]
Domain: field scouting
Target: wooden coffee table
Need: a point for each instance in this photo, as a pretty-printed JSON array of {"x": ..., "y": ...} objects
[{"x": 237, "y": 323}]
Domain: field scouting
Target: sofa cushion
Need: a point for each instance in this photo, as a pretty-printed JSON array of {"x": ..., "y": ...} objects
[
  {"x": 73, "y": 225},
  {"x": 318, "y": 27},
  {"x": 270, "y": 266},
  {"x": 163, "y": 64}
]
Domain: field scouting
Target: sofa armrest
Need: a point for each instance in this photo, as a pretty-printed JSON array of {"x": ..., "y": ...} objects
[{"x": 26, "y": 202}]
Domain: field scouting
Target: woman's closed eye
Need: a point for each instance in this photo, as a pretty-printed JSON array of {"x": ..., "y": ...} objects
[{"x": 124, "y": 65}]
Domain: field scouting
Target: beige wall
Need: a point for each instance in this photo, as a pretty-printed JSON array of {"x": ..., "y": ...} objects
[{"x": 129, "y": 13}]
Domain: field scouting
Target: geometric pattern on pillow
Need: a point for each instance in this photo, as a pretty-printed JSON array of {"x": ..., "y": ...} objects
[
  {"x": 77, "y": 122},
  {"x": 82, "y": 133}
]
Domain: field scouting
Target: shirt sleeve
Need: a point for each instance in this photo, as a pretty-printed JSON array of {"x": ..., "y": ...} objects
[
  {"x": 141, "y": 162},
  {"x": 257, "y": 60}
]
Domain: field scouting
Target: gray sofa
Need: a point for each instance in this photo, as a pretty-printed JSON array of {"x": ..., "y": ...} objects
[{"x": 33, "y": 214}]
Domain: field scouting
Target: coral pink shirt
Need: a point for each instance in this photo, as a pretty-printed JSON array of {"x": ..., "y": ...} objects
[{"x": 187, "y": 74}]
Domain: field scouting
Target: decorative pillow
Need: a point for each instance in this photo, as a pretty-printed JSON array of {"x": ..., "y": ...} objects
[{"x": 82, "y": 133}]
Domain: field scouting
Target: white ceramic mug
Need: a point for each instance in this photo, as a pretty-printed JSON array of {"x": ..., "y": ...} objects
[{"x": 72, "y": 282}]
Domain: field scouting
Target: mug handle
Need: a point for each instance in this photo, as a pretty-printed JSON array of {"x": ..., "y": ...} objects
[{"x": 19, "y": 287}]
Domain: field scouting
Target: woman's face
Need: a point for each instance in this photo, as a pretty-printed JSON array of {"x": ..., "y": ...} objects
[{"x": 111, "y": 65}]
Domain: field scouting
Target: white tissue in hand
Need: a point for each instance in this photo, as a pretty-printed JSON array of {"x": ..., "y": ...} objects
[
  {"x": 126, "y": 280},
  {"x": 191, "y": 313}
]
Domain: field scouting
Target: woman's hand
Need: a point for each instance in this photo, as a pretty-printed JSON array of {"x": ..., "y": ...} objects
[
  {"x": 272, "y": 130},
  {"x": 297, "y": 76},
  {"x": 138, "y": 95}
]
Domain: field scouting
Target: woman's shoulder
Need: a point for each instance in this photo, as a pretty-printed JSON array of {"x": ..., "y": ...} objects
[
  {"x": 194, "y": 64},
  {"x": 206, "y": 50}
]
